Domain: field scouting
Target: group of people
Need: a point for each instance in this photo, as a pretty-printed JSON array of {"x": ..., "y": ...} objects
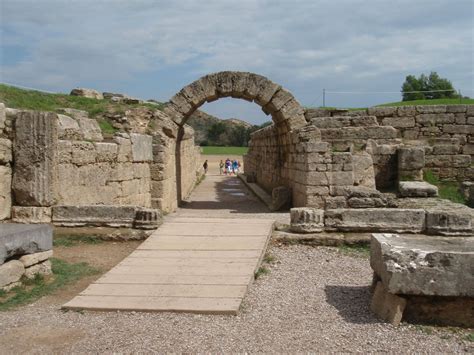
[{"x": 228, "y": 167}]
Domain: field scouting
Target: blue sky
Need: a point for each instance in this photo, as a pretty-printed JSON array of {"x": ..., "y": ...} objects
[{"x": 151, "y": 49}]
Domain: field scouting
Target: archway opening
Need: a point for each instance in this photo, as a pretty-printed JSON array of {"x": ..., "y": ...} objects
[{"x": 270, "y": 163}]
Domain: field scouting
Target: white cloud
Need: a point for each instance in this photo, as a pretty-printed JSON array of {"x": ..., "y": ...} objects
[{"x": 344, "y": 44}]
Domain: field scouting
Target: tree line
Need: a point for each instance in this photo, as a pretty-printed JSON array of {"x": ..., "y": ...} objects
[
  {"x": 222, "y": 134},
  {"x": 433, "y": 85}
]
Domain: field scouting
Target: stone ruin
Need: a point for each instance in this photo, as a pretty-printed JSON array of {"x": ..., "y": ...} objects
[{"x": 346, "y": 171}]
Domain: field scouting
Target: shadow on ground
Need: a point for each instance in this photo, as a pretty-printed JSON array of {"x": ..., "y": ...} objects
[
  {"x": 352, "y": 303},
  {"x": 230, "y": 194}
]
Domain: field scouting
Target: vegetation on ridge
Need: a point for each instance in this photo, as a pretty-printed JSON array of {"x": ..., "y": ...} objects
[{"x": 36, "y": 100}]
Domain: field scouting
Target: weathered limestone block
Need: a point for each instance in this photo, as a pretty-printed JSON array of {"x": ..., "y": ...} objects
[
  {"x": 94, "y": 215},
  {"x": 447, "y": 161},
  {"x": 382, "y": 111},
  {"x": 11, "y": 272},
  {"x": 90, "y": 129},
  {"x": 420, "y": 265},
  {"x": 83, "y": 153},
  {"x": 445, "y": 149},
  {"x": 279, "y": 99},
  {"x": 69, "y": 129},
  {"x": 411, "y": 158},
  {"x": 124, "y": 153},
  {"x": 5, "y": 192},
  {"x": 147, "y": 218},
  {"x": 432, "y": 119},
  {"x": 281, "y": 198},
  {"x": 411, "y": 161},
  {"x": 364, "y": 173},
  {"x": 5, "y": 151},
  {"x": 399, "y": 122},
  {"x": 387, "y": 306},
  {"x": 2, "y": 116},
  {"x": 29, "y": 214},
  {"x": 141, "y": 147},
  {"x": 458, "y": 129},
  {"x": 89, "y": 93},
  {"x": 449, "y": 223},
  {"x": 106, "y": 152},
  {"x": 36, "y": 258},
  {"x": 417, "y": 189},
  {"x": 20, "y": 239},
  {"x": 376, "y": 220},
  {"x": 35, "y": 158},
  {"x": 43, "y": 269},
  {"x": 64, "y": 151},
  {"x": 307, "y": 220},
  {"x": 366, "y": 202},
  {"x": 431, "y": 108}
]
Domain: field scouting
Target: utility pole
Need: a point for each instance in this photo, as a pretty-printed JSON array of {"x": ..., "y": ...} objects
[{"x": 324, "y": 97}]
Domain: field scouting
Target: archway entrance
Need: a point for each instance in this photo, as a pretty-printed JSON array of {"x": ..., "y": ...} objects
[{"x": 271, "y": 164}]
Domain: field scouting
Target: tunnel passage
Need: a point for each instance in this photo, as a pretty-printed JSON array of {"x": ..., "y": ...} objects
[{"x": 270, "y": 164}]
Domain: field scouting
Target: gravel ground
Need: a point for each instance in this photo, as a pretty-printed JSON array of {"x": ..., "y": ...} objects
[{"x": 313, "y": 299}]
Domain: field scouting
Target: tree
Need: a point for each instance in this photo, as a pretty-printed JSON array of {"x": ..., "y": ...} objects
[{"x": 427, "y": 84}]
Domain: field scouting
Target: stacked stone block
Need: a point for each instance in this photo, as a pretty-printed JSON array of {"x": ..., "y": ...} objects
[
  {"x": 109, "y": 173},
  {"x": 24, "y": 253},
  {"x": 5, "y": 166}
]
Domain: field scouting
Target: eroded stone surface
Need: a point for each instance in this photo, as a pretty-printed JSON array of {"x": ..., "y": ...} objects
[
  {"x": 307, "y": 220},
  {"x": 419, "y": 265},
  {"x": 32, "y": 259},
  {"x": 375, "y": 219},
  {"x": 11, "y": 272},
  {"x": 89, "y": 93},
  {"x": 35, "y": 158},
  {"x": 417, "y": 189}
]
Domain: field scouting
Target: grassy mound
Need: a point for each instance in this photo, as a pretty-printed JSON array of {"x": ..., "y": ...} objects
[{"x": 36, "y": 100}]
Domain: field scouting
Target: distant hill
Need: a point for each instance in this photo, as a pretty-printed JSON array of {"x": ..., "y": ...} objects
[{"x": 210, "y": 130}]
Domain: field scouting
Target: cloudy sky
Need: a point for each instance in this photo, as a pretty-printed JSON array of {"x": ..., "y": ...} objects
[{"x": 151, "y": 49}]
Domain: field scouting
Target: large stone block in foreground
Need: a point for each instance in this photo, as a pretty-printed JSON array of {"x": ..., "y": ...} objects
[
  {"x": 420, "y": 265},
  {"x": 21, "y": 239},
  {"x": 34, "y": 150},
  {"x": 375, "y": 220}
]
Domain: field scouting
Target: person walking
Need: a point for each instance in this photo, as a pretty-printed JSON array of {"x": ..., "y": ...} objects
[
  {"x": 221, "y": 167},
  {"x": 205, "y": 166}
]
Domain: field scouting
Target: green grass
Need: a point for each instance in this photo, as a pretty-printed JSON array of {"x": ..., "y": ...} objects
[
  {"x": 269, "y": 258},
  {"x": 211, "y": 150},
  {"x": 63, "y": 274},
  {"x": 74, "y": 240},
  {"x": 431, "y": 102},
  {"x": 469, "y": 337},
  {"x": 106, "y": 127},
  {"x": 35, "y": 100},
  {"x": 447, "y": 189},
  {"x": 262, "y": 270},
  {"x": 360, "y": 251}
]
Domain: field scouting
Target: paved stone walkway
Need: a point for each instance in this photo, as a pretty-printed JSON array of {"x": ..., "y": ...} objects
[{"x": 202, "y": 259}]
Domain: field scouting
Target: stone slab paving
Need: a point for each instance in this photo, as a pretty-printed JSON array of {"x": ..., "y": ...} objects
[{"x": 201, "y": 260}]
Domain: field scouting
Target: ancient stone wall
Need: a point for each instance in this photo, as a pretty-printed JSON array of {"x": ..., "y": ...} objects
[
  {"x": 446, "y": 134},
  {"x": 63, "y": 160}
]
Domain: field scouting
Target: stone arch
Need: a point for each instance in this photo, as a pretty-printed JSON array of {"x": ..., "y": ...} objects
[
  {"x": 286, "y": 112},
  {"x": 272, "y": 160}
]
